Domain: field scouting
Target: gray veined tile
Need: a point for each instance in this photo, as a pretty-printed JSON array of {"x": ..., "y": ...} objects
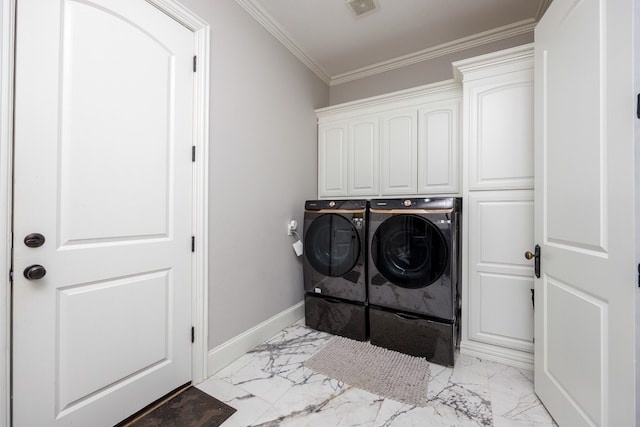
[
  {"x": 271, "y": 387},
  {"x": 248, "y": 406}
]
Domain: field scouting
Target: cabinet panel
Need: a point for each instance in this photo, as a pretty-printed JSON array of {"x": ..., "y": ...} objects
[
  {"x": 332, "y": 159},
  {"x": 438, "y": 142},
  {"x": 399, "y": 145},
  {"x": 500, "y": 278},
  {"x": 505, "y": 311},
  {"x": 500, "y": 120},
  {"x": 363, "y": 157}
]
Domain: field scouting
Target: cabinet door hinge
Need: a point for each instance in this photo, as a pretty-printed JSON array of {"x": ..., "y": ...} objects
[
  {"x": 193, "y": 334},
  {"x": 193, "y": 243},
  {"x": 195, "y": 63},
  {"x": 193, "y": 153}
]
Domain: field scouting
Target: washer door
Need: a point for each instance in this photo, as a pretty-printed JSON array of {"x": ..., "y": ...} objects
[
  {"x": 332, "y": 245},
  {"x": 409, "y": 251}
]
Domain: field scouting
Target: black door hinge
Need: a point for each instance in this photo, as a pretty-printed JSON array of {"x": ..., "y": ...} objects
[
  {"x": 193, "y": 334},
  {"x": 193, "y": 243},
  {"x": 193, "y": 153},
  {"x": 638, "y": 275},
  {"x": 11, "y": 276},
  {"x": 195, "y": 63}
]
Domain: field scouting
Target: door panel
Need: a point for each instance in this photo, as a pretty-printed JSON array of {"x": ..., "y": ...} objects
[
  {"x": 399, "y": 173},
  {"x": 332, "y": 159},
  {"x": 81, "y": 344},
  {"x": 585, "y": 307},
  {"x": 501, "y": 227},
  {"x": 102, "y": 147},
  {"x": 103, "y": 169}
]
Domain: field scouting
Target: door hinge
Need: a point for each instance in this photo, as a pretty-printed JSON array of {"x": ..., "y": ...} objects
[
  {"x": 11, "y": 276},
  {"x": 193, "y": 334},
  {"x": 193, "y": 243},
  {"x": 639, "y": 275},
  {"x": 195, "y": 63},
  {"x": 193, "y": 153}
]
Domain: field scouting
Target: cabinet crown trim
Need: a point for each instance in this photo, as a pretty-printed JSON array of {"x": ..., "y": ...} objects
[
  {"x": 434, "y": 92},
  {"x": 519, "y": 57}
]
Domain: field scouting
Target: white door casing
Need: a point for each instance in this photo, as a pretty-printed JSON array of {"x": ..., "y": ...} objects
[
  {"x": 112, "y": 192},
  {"x": 7, "y": 18},
  {"x": 584, "y": 201}
]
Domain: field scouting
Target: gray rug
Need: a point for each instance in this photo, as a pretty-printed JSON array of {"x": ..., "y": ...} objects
[{"x": 380, "y": 371}]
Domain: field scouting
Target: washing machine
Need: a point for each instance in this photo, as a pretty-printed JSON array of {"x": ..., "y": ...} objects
[
  {"x": 413, "y": 276},
  {"x": 334, "y": 266}
]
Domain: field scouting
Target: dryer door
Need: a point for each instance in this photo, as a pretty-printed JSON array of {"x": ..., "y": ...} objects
[
  {"x": 409, "y": 251},
  {"x": 332, "y": 245}
]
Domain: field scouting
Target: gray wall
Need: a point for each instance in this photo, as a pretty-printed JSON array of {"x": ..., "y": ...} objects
[
  {"x": 263, "y": 160},
  {"x": 262, "y": 168},
  {"x": 434, "y": 70}
]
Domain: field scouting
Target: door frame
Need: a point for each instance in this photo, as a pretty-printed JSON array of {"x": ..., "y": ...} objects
[{"x": 200, "y": 204}]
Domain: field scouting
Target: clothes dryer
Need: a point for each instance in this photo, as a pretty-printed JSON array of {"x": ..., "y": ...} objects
[
  {"x": 414, "y": 271},
  {"x": 334, "y": 266}
]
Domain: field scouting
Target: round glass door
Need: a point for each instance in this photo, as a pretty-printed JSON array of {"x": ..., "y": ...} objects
[
  {"x": 409, "y": 251},
  {"x": 332, "y": 245}
]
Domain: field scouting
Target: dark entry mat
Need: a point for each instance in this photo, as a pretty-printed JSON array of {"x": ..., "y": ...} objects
[{"x": 190, "y": 408}]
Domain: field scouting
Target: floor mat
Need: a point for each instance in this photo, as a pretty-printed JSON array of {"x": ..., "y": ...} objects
[
  {"x": 190, "y": 408},
  {"x": 380, "y": 371}
]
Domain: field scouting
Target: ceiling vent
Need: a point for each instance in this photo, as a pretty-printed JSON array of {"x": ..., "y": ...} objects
[{"x": 362, "y": 7}]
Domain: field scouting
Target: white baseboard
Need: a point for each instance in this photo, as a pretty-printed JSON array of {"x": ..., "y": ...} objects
[
  {"x": 506, "y": 356},
  {"x": 227, "y": 352}
]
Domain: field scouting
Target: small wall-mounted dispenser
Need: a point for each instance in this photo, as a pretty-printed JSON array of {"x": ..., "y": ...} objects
[{"x": 292, "y": 227}]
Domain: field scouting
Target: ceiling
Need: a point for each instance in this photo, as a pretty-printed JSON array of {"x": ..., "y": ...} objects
[{"x": 340, "y": 46}]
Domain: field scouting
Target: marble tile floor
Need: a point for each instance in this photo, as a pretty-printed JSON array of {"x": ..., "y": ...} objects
[{"x": 270, "y": 387}]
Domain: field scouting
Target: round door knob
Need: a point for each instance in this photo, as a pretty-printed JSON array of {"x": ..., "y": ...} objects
[
  {"x": 34, "y": 272},
  {"x": 529, "y": 255}
]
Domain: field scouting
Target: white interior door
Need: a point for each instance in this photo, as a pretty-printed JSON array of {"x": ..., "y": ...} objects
[
  {"x": 103, "y": 170},
  {"x": 584, "y": 312}
]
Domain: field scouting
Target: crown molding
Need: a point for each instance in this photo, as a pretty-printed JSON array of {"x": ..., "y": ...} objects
[
  {"x": 464, "y": 43},
  {"x": 270, "y": 24},
  {"x": 542, "y": 8}
]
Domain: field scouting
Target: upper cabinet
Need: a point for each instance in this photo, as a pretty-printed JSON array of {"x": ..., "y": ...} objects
[
  {"x": 399, "y": 152},
  {"x": 498, "y": 119},
  {"x": 332, "y": 159},
  {"x": 362, "y": 155},
  {"x": 438, "y": 147},
  {"x": 405, "y": 143}
]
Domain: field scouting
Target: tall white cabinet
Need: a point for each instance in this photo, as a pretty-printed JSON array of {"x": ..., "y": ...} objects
[
  {"x": 497, "y": 188},
  {"x": 401, "y": 144}
]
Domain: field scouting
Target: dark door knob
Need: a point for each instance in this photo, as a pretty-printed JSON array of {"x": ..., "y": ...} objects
[
  {"x": 34, "y": 240},
  {"x": 34, "y": 272}
]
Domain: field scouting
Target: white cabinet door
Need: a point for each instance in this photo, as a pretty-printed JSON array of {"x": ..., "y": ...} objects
[
  {"x": 398, "y": 151},
  {"x": 499, "y": 123},
  {"x": 363, "y": 150},
  {"x": 332, "y": 159},
  {"x": 438, "y": 142},
  {"x": 500, "y": 305}
]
